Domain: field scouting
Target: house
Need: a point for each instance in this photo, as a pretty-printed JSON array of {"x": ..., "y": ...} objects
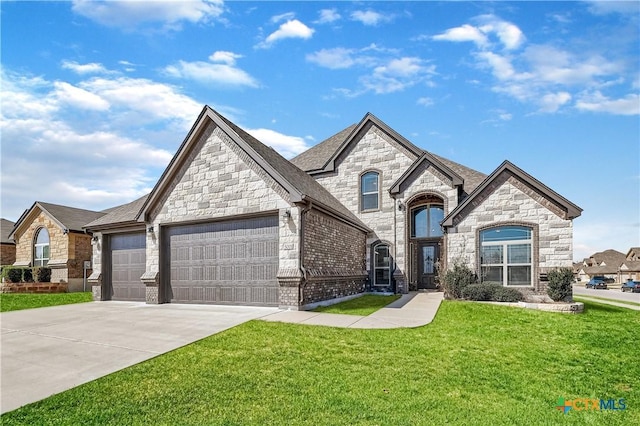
[
  {"x": 232, "y": 221},
  {"x": 630, "y": 267},
  {"x": 52, "y": 235},
  {"x": 7, "y": 246},
  {"x": 604, "y": 263}
]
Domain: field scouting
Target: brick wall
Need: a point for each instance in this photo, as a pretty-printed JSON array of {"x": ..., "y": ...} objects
[
  {"x": 7, "y": 254},
  {"x": 334, "y": 258}
]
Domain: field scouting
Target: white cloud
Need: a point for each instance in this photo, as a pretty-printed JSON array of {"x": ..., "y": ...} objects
[
  {"x": 90, "y": 68},
  {"x": 283, "y": 17},
  {"x": 425, "y": 101},
  {"x": 370, "y": 17},
  {"x": 225, "y": 57},
  {"x": 78, "y": 98},
  {"x": 328, "y": 16},
  {"x": 290, "y": 29},
  {"x": 465, "y": 32},
  {"x": 131, "y": 14},
  {"x": 597, "y": 102},
  {"x": 397, "y": 75},
  {"x": 287, "y": 146},
  {"x": 224, "y": 75},
  {"x": 605, "y": 7},
  {"x": 551, "y": 102},
  {"x": 335, "y": 58}
]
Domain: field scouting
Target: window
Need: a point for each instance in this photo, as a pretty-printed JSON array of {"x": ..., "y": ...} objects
[
  {"x": 369, "y": 191},
  {"x": 41, "y": 248},
  {"x": 425, "y": 221},
  {"x": 505, "y": 255},
  {"x": 381, "y": 265}
]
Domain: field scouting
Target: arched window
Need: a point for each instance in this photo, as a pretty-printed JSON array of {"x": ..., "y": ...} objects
[
  {"x": 41, "y": 248},
  {"x": 505, "y": 255},
  {"x": 381, "y": 265},
  {"x": 369, "y": 191},
  {"x": 425, "y": 221}
]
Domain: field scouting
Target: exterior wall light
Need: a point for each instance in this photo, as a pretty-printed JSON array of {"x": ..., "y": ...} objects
[{"x": 286, "y": 215}]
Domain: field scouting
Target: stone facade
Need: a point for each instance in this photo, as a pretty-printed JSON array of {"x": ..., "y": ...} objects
[{"x": 510, "y": 202}]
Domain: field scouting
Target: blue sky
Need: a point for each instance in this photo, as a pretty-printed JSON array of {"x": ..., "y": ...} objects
[{"x": 97, "y": 96}]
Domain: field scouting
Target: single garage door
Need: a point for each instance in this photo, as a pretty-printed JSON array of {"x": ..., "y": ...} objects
[
  {"x": 128, "y": 263},
  {"x": 231, "y": 262}
]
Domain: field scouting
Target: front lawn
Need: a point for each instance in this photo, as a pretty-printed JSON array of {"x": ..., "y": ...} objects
[
  {"x": 18, "y": 301},
  {"x": 475, "y": 364},
  {"x": 363, "y": 305}
]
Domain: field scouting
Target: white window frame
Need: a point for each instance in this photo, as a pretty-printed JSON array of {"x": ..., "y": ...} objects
[
  {"x": 505, "y": 255},
  {"x": 41, "y": 261},
  {"x": 376, "y": 192}
]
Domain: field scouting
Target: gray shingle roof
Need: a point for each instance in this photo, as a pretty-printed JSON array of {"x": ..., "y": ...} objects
[
  {"x": 318, "y": 155},
  {"x": 612, "y": 258},
  {"x": 125, "y": 213},
  {"x": 6, "y": 226},
  {"x": 303, "y": 182},
  {"x": 71, "y": 218}
]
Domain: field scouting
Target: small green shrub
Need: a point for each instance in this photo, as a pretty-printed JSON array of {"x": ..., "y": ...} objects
[
  {"x": 506, "y": 294},
  {"x": 13, "y": 274},
  {"x": 559, "y": 285},
  {"x": 43, "y": 274},
  {"x": 454, "y": 280},
  {"x": 482, "y": 291},
  {"x": 27, "y": 275}
]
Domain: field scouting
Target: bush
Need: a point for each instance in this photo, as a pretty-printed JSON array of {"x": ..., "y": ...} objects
[
  {"x": 13, "y": 274},
  {"x": 456, "y": 279},
  {"x": 482, "y": 291},
  {"x": 27, "y": 275},
  {"x": 43, "y": 274},
  {"x": 506, "y": 294},
  {"x": 559, "y": 286}
]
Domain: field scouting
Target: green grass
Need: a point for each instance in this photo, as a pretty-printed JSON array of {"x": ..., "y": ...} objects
[
  {"x": 18, "y": 301},
  {"x": 585, "y": 297},
  {"x": 475, "y": 364},
  {"x": 363, "y": 305}
]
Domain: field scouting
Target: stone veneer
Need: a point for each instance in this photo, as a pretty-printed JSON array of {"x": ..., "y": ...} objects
[
  {"x": 220, "y": 181},
  {"x": 7, "y": 254},
  {"x": 509, "y": 202},
  {"x": 67, "y": 251}
]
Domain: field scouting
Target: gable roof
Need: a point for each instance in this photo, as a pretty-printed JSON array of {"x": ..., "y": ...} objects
[
  {"x": 571, "y": 209},
  {"x": 611, "y": 258},
  {"x": 300, "y": 186},
  {"x": 67, "y": 218},
  {"x": 119, "y": 215},
  {"x": 633, "y": 251},
  {"x": 456, "y": 180},
  {"x": 6, "y": 226},
  {"x": 321, "y": 157}
]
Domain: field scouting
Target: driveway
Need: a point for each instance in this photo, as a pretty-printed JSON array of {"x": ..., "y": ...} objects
[{"x": 49, "y": 350}]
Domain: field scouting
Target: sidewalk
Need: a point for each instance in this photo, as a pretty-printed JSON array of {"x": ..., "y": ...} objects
[{"x": 411, "y": 310}]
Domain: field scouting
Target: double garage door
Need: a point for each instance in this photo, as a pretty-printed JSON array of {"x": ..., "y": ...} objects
[{"x": 231, "y": 262}]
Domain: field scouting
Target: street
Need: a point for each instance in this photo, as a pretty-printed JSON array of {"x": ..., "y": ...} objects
[{"x": 617, "y": 294}]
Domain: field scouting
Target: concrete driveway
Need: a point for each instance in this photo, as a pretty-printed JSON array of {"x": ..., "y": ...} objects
[{"x": 48, "y": 350}]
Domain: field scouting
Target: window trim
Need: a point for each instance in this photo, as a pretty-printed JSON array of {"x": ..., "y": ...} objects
[
  {"x": 505, "y": 252},
  {"x": 374, "y": 266},
  {"x": 41, "y": 261},
  {"x": 361, "y": 193}
]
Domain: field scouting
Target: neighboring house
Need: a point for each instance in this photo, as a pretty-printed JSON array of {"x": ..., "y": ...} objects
[
  {"x": 604, "y": 263},
  {"x": 630, "y": 268},
  {"x": 52, "y": 235},
  {"x": 7, "y": 246},
  {"x": 232, "y": 221}
]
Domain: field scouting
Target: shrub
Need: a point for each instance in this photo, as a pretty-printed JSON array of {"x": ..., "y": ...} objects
[
  {"x": 43, "y": 274},
  {"x": 482, "y": 291},
  {"x": 27, "y": 275},
  {"x": 456, "y": 279},
  {"x": 559, "y": 285},
  {"x": 13, "y": 274},
  {"x": 506, "y": 294}
]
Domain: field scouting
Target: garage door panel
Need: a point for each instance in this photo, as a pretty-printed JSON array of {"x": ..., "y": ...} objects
[
  {"x": 234, "y": 262},
  {"x": 128, "y": 263}
]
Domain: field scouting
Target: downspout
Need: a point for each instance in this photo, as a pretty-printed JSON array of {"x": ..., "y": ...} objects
[
  {"x": 395, "y": 240},
  {"x": 303, "y": 270}
]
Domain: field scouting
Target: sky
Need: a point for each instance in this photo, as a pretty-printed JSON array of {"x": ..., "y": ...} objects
[{"x": 97, "y": 96}]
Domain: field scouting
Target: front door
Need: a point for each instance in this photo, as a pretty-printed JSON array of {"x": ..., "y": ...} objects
[{"x": 428, "y": 255}]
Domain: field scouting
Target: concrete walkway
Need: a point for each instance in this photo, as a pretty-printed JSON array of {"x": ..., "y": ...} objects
[{"x": 411, "y": 310}]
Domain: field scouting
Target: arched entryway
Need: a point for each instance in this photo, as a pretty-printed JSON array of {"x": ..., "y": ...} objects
[{"x": 424, "y": 216}]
